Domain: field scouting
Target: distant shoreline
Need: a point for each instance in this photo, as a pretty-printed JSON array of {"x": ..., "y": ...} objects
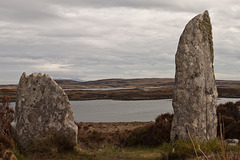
[{"x": 134, "y": 89}]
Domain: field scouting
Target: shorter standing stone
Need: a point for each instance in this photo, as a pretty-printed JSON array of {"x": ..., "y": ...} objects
[{"x": 42, "y": 108}]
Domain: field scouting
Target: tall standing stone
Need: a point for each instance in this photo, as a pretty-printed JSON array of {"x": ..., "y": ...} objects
[
  {"x": 42, "y": 108},
  {"x": 195, "y": 92}
]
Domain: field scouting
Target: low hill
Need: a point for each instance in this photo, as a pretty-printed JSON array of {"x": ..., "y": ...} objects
[
  {"x": 159, "y": 88},
  {"x": 110, "y": 83},
  {"x": 140, "y": 82}
]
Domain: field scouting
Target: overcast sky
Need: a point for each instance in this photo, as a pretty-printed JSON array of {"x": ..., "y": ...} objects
[{"x": 100, "y": 39}]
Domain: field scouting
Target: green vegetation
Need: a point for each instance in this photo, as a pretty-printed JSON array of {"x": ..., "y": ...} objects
[
  {"x": 109, "y": 153},
  {"x": 178, "y": 150},
  {"x": 183, "y": 149},
  {"x": 187, "y": 149},
  {"x": 52, "y": 154}
]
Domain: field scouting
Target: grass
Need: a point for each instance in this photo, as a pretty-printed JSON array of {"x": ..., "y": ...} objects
[
  {"x": 183, "y": 149},
  {"x": 109, "y": 153},
  {"x": 132, "y": 153},
  {"x": 178, "y": 150},
  {"x": 76, "y": 153}
]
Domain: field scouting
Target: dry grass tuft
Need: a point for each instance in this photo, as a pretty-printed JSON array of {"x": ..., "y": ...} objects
[{"x": 6, "y": 135}]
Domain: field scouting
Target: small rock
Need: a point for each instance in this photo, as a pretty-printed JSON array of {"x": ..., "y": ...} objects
[{"x": 232, "y": 142}]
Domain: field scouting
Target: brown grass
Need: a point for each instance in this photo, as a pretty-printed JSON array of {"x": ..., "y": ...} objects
[{"x": 6, "y": 135}]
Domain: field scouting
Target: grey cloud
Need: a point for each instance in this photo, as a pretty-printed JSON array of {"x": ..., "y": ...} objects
[
  {"x": 28, "y": 10},
  {"x": 173, "y": 5},
  {"x": 25, "y": 11}
]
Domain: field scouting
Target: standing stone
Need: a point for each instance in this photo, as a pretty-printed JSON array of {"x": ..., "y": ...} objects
[
  {"x": 42, "y": 108},
  {"x": 195, "y": 92}
]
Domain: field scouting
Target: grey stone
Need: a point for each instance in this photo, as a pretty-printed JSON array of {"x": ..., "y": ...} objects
[
  {"x": 42, "y": 108},
  {"x": 195, "y": 92},
  {"x": 232, "y": 142}
]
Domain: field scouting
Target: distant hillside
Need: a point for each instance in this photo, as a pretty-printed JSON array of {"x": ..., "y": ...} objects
[
  {"x": 144, "y": 82},
  {"x": 66, "y": 82},
  {"x": 141, "y": 82},
  {"x": 227, "y": 82}
]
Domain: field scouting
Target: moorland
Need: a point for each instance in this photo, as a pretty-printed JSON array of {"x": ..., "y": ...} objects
[
  {"x": 126, "y": 89},
  {"x": 126, "y": 140}
]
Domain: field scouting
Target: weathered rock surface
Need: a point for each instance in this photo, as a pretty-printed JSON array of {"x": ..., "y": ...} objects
[
  {"x": 42, "y": 108},
  {"x": 195, "y": 92}
]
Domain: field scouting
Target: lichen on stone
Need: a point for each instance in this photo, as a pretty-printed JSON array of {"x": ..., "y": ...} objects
[
  {"x": 42, "y": 106},
  {"x": 206, "y": 28}
]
